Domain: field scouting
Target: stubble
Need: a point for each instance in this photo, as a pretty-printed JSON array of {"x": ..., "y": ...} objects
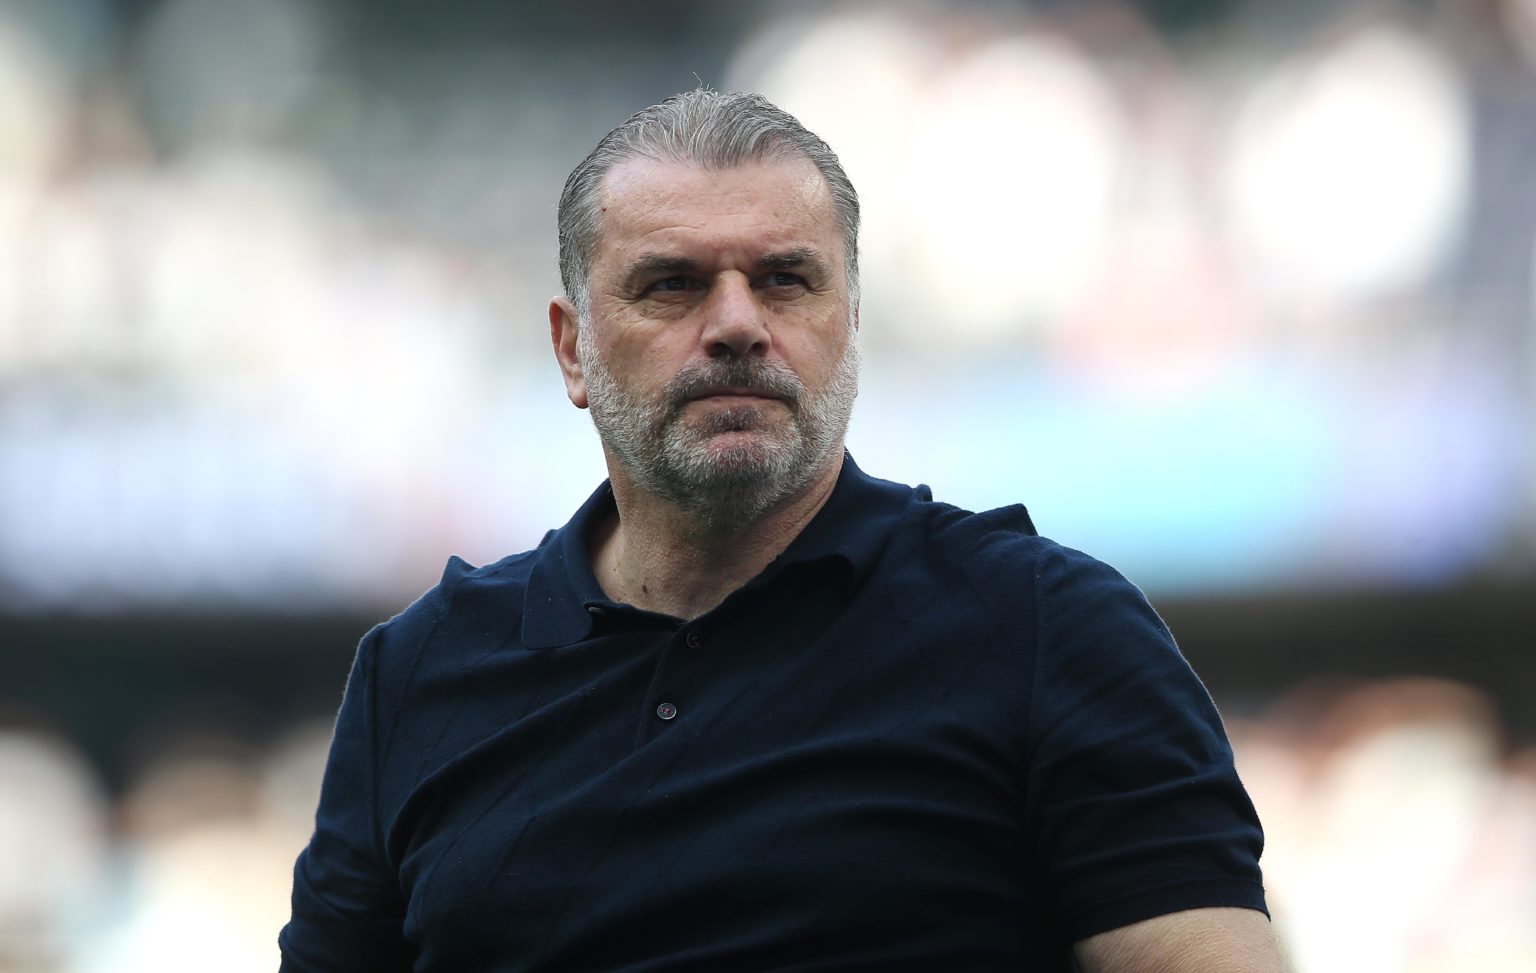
[{"x": 732, "y": 465}]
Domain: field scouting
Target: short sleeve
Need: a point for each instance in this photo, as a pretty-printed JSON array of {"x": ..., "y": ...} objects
[
  {"x": 348, "y": 911},
  {"x": 1134, "y": 801}
]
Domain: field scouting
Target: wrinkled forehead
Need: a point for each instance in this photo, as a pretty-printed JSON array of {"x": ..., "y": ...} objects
[{"x": 777, "y": 197}]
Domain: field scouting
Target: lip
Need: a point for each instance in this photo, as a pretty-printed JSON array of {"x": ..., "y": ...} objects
[{"x": 732, "y": 392}]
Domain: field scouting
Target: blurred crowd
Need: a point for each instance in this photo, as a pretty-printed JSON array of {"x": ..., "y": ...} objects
[
  {"x": 1401, "y": 838},
  {"x": 1400, "y": 828},
  {"x": 1236, "y": 295},
  {"x": 272, "y": 279},
  {"x": 187, "y": 869}
]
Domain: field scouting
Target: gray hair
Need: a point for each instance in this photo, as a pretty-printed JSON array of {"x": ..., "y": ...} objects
[{"x": 709, "y": 129}]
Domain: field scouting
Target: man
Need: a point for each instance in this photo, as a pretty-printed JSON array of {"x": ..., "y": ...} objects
[{"x": 752, "y": 709}]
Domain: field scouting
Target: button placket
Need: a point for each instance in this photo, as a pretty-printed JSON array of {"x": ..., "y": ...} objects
[{"x": 692, "y": 639}]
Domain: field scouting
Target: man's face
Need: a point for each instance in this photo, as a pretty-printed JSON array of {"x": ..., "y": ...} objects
[{"x": 719, "y": 360}]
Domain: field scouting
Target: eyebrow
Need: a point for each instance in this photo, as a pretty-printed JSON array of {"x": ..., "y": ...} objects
[
  {"x": 650, "y": 265},
  {"x": 794, "y": 259}
]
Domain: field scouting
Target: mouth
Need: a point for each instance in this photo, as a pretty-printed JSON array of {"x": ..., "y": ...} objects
[{"x": 735, "y": 394}]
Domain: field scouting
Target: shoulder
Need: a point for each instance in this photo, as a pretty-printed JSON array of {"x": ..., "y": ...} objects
[
  {"x": 465, "y": 593},
  {"x": 1074, "y": 613},
  {"x": 999, "y": 553}
]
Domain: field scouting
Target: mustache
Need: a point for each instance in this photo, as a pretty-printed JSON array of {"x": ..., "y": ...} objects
[{"x": 764, "y": 378}]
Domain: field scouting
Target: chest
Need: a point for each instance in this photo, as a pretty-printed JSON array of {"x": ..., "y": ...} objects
[{"x": 828, "y": 774}]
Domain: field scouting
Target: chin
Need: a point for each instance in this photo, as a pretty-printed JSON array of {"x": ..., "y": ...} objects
[
  {"x": 744, "y": 456},
  {"x": 733, "y": 458}
]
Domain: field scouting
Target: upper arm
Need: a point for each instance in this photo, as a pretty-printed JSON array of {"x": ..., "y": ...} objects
[
  {"x": 1194, "y": 941},
  {"x": 348, "y": 912},
  {"x": 1135, "y": 806}
]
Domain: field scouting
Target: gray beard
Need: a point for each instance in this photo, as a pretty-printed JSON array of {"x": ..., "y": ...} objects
[{"x": 721, "y": 488}]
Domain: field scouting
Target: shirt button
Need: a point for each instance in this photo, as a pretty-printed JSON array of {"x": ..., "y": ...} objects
[
  {"x": 666, "y": 711},
  {"x": 693, "y": 638}
]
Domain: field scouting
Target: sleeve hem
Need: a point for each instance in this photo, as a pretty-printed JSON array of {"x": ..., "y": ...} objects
[{"x": 1180, "y": 897}]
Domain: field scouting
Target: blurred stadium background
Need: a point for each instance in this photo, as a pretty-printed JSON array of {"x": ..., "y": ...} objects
[{"x": 1236, "y": 295}]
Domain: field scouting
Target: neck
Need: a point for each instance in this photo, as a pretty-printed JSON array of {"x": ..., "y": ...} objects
[{"x": 662, "y": 558}]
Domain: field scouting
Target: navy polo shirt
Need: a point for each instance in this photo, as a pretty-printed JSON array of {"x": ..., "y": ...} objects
[{"x": 922, "y": 738}]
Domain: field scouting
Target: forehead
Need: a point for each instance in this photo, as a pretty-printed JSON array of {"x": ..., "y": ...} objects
[{"x": 776, "y": 203}]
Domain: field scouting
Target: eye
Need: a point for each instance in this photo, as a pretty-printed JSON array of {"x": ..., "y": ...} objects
[
  {"x": 783, "y": 278},
  {"x": 671, "y": 284}
]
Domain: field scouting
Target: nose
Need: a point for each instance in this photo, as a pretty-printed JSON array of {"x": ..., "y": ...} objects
[{"x": 735, "y": 321}]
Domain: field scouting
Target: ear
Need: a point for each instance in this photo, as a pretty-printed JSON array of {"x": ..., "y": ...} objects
[{"x": 563, "y": 321}]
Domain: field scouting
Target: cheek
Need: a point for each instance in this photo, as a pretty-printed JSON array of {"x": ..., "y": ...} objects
[
  {"x": 815, "y": 359},
  {"x": 645, "y": 363}
]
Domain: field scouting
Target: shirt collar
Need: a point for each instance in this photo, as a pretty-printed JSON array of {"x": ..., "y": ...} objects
[{"x": 851, "y": 529}]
